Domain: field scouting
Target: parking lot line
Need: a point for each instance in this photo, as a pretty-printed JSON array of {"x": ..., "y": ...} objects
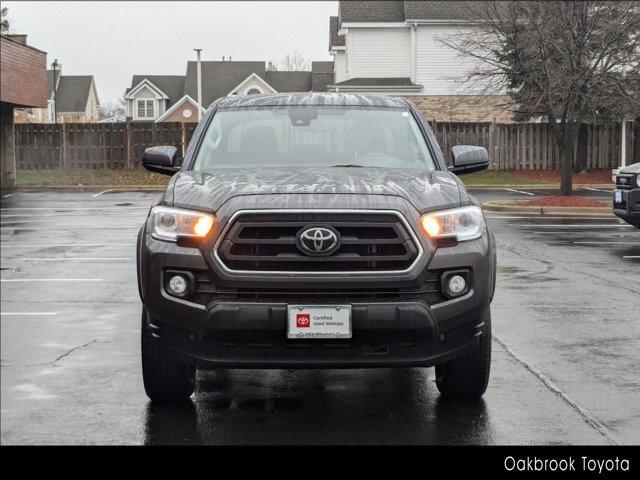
[
  {"x": 16, "y": 314},
  {"x": 69, "y": 209},
  {"x": 100, "y": 193},
  {"x": 50, "y": 245},
  {"x": 57, "y": 259},
  {"x": 631, "y": 256},
  {"x": 604, "y": 241},
  {"x": 12, "y": 280},
  {"x": 597, "y": 189},
  {"x": 571, "y": 225},
  {"x": 73, "y": 227},
  {"x": 519, "y": 191}
]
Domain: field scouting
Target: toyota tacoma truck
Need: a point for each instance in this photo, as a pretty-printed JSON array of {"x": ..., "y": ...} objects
[
  {"x": 315, "y": 231},
  {"x": 626, "y": 195}
]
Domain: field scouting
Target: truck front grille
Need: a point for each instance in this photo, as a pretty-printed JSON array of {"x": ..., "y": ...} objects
[
  {"x": 369, "y": 241},
  {"x": 624, "y": 182}
]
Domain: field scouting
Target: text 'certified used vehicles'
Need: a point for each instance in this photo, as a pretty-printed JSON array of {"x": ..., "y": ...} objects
[{"x": 315, "y": 231}]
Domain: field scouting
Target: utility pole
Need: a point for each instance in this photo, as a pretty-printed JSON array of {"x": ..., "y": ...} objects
[
  {"x": 199, "y": 81},
  {"x": 55, "y": 90}
]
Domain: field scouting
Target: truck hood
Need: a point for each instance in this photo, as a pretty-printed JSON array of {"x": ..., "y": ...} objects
[
  {"x": 633, "y": 168},
  {"x": 208, "y": 191}
]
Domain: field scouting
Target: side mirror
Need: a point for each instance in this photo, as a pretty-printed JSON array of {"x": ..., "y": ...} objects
[
  {"x": 161, "y": 160},
  {"x": 468, "y": 159}
]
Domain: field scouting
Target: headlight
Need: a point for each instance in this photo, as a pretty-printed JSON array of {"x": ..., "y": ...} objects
[
  {"x": 170, "y": 223},
  {"x": 465, "y": 223},
  {"x": 638, "y": 180}
]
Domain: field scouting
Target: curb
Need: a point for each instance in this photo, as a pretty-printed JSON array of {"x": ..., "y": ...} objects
[
  {"x": 540, "y": 186},
  {"x": 90, "y": 188},
  {"x": 499, "y": 206}
]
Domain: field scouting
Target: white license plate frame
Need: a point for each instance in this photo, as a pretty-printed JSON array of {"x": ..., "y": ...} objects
[
  {"x": 617, "y": 196},
  {"x": 326, "y": 322}
]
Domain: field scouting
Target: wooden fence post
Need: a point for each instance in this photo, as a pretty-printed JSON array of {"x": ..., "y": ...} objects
[
  {"x": 64, "y": 146},
  {"x": 127, "y": 144}
]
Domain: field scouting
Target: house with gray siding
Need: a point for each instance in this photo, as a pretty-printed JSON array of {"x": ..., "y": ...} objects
[{"x": 173, "y": 98}]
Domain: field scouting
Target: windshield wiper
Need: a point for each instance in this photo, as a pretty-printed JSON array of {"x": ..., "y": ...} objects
[{"x": 347, "y": 165}]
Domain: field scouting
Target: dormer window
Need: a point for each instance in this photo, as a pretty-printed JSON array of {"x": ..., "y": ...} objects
[{"x": 146, "y": 108}]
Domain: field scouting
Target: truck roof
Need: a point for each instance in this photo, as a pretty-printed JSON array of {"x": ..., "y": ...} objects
[{"x": 311, "y": 98}]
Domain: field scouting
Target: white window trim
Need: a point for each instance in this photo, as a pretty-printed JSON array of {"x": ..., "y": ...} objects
[
  {"x": 257, "y": 77},
  {"x": 177, "y": 105},
  {"x": 155, "y": 108},
  {"x": 158, "y": 94}
]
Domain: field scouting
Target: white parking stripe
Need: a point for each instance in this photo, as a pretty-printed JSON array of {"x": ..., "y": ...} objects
[
  {"x": 631, "y": 256},
  {"x": 71, "y": 227},
  {"x": 56, "y": 259},
  {"x": 64, "y": 209},
  {"x": 100, "y": 193},
  {"x": 572, "y": 225},
  {"x": 605, "y": 241},
  {"x": 12, "y": 280},
  {"x": 70, "y": 245},
  {"x": 3, "y": 314},
  {"x": 597, "y": 189},
  {"x": 519, "y": 191},
  {"x": 8, "y": 195}
]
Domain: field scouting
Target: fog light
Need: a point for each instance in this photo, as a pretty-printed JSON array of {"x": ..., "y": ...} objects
[
  {"x": 457, "y": 284},
  {"x": 177, "y": 285}
]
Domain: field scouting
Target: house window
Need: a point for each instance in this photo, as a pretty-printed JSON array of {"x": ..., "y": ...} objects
[
  {"x": 146, "y": 109},
  {"x": 254, "y": 91}
]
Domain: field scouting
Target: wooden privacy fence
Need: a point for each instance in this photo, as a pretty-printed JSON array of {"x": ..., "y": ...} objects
[
  {"x": 120, "y": 145},
  {"x": 532, "y": 146},
  {"x": 94, "y": 145}
]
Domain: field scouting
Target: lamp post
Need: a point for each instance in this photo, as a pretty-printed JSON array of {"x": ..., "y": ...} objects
[
  {"x": 55, "y": 90},
  {"x": 199, "y": 81}
]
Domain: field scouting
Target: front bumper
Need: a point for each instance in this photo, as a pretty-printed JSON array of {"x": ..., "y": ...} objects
[
  {"x": 240, "y": 320},
  {"x": 628, "y": 208},
  {"x": 248, "y": 330}
]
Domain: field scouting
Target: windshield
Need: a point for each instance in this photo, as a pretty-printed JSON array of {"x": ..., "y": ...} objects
[{"x": 267, "y": 137}]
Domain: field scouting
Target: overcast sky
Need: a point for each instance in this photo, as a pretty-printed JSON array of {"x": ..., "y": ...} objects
[{"x": 115, "y": 40}]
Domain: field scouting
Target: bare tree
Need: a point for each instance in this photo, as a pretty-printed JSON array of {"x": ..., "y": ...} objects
[
  {"x": 567, "y": 62},
  {"x": 111, "y": 109},
  {"x": 291, "y": 62},
  {"x": 4, "y": 21}
]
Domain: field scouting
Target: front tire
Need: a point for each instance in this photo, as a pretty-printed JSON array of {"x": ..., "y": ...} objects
[
  {"x": 167, "y": 378},
  {"x": 466, "y": 377}
]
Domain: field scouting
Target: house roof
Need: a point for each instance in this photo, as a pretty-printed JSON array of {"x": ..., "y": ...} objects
[
  {"x": 399, "y": 11},
  {"x": 378, "y": 82},
  {"x": 372, "y": 11},
  {"x": 335, "y": 40},
  {"x": 289, "y": 81},
  {"x": 219, "y": 78},
  {"x": 171, "y": 85},
  {"x": 72, "y": 93},
  {"x": 429, "y": 10}
]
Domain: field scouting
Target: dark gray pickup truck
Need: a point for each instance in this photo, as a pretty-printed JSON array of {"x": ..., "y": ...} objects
[
  {"x": 626, "y": 195},
  {"x": 315, "y": 231}
]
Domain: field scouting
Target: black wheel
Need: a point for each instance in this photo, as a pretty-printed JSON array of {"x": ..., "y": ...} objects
[
  {"x": 167, "y": 378},
  {"x": 466, "y": 377}
]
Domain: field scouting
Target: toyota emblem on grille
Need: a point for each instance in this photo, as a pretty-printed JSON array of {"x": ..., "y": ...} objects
[{"x": 318, "y": 240}]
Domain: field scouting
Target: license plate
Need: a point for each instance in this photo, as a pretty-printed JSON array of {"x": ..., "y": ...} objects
[
  {"x": 318, "y": 321},
  {"x": 617, "y": 196}
]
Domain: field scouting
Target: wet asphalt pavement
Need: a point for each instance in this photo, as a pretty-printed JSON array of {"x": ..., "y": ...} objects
[{"x": 566, "y": 344}]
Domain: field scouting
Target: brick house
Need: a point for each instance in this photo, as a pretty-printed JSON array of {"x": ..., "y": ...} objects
[
  {"x": 23, "y": 84},
  {"x": 173, "y": 98},
  {"x": 393, "y": 48},
  {"x": 72, "y": 98}
]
